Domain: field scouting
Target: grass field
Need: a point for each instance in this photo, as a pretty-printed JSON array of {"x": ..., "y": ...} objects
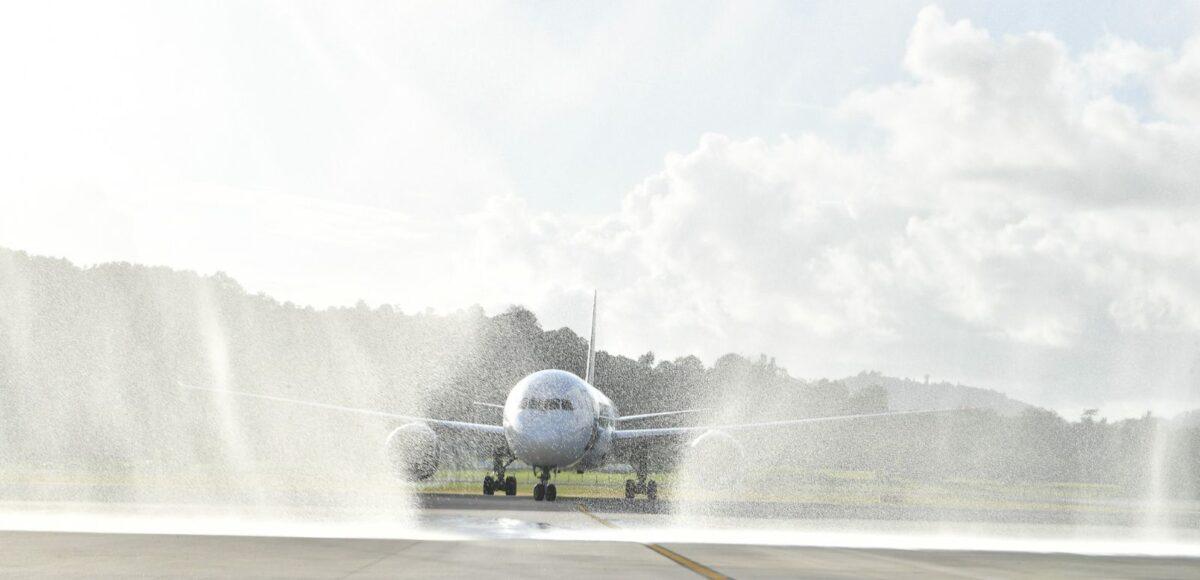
[
  {"x": 821, "y": 486},
  {"x": 592, "y": 484},
  {"x": 782, "y": 484}
]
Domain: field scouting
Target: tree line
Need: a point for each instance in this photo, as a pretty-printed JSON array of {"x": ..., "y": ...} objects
[{"x": 90, "y": 359}]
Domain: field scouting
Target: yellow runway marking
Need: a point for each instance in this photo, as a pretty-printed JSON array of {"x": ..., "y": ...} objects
[
  {"x": 688, "y": 563},
  {"x": 663, "y": 551},
  {"x": 589, "y": 514}
]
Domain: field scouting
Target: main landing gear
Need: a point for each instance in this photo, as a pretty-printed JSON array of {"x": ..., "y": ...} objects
[
  {"x": 508, "y": 485},
  {"x": 641, "y": 486},
  {"x": 500, "y": 483},
  {"x": 543, "y": 490}
]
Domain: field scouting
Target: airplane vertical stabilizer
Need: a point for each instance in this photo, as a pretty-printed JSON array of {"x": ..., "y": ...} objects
[{"x": 590, "y": 375}]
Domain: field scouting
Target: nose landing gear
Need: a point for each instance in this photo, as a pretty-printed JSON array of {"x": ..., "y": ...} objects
[{"x": 543, "y": 490}]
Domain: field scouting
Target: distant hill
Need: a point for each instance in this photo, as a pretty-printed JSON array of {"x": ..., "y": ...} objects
[
  {"x": 91, "y": 359},
  {"x": 1187, "y": 419},
  {"x": 910, "y": 395}
]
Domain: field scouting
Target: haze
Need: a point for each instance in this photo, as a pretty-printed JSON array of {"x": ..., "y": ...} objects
[{"x": 1009, "y": 203}]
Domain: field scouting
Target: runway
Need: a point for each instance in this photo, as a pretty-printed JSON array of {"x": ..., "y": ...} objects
[
  {"x": 74, "y": 555},
  {"x": 474, "y": 536}
]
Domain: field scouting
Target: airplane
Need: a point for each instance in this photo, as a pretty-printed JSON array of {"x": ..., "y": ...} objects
[{"x": 554, "y": 420}]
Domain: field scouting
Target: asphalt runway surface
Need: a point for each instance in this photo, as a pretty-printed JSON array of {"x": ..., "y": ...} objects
[
  {"x": 768, "y": 510},
  {"x": 515, "y": 536},
  {"x": 75, "y": 555}
]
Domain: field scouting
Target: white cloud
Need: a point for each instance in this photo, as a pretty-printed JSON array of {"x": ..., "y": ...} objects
[
  {"x": 1019, "y": 227},
  {"x": 1017, "y": 221},
  {"x": 1179, "y": 90}
]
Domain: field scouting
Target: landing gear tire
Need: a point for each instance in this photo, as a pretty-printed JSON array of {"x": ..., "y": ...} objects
[
  {"x": 489, "y": 485},
  {"x": 510, "y": 485},
  {"x": 551, "y": 492},
  {"x": 652, "y": 490},
  {"x": 539, "y": 492},
  {"x": 630, "y": 489}
]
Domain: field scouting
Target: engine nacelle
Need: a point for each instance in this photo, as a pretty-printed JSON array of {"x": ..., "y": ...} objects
[
  {"x": 714, "y": 458},
  {"x": 412, "y": 451}
]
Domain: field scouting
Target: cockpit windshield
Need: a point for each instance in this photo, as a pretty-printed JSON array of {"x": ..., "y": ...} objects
[{"x": 537, "y": 404}]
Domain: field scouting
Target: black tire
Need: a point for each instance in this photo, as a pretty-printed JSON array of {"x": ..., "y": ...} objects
[
  {"x": 630, "y": 490},
  {"x": 510, "y": 485},
  {"x": 489, "y": 485},
  {"x": 551, "y": 492},
  {"x": 539, "y": 492},
  {"x": 652, "y": 490}
]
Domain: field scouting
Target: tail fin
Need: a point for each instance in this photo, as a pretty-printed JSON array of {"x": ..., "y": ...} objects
[{"x": 590, "y": 375}]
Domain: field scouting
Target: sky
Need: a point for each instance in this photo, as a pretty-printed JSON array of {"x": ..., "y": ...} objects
[{"x": 997, "y": 194}]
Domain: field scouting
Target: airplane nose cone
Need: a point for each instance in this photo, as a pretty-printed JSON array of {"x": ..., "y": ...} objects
[{"x": 547, "y": 439}]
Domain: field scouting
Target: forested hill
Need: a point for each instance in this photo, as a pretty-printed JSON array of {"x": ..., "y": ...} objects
[
  {"x": 91, "y": 358},
  {"x": 910, "y": 395},
  {"x": 124, "y": 323}
]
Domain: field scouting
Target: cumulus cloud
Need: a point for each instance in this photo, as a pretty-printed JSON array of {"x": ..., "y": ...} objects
[
  {"x": 1022, "y": 216},
  {"x": 1018, "y": 225},
  {"x": 1179, "y": 88}
]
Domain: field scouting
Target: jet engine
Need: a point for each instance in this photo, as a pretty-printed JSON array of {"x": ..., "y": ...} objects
[
  {"x": 714, "y": 459},
  {"x": 412, "y": 451}
]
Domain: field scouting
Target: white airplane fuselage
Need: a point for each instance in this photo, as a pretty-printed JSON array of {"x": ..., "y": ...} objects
[{"x": 554, "y": 419}]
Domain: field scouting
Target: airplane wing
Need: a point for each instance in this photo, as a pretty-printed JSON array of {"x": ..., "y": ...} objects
[
  {"x": 631, "y": 435},
  {"x": 660, "y": 414},
  {"x": 436, "y": 424}
]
